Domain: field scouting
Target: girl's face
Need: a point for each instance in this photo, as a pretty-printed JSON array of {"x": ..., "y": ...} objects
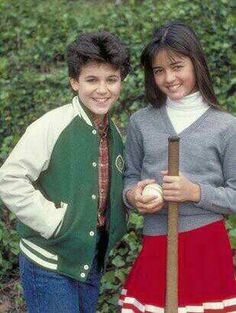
[{"x": 174, "y": 74}]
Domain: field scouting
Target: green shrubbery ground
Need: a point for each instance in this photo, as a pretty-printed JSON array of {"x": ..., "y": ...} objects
[{"x": 34, "y": 80}]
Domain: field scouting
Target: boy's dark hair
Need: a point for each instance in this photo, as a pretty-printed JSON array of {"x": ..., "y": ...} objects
[
  {"x": 101, "y": 47},
  {"x": 178, "y": 38}
]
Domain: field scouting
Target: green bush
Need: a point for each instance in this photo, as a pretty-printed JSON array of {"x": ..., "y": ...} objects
[{"x": 34, "y": 80}]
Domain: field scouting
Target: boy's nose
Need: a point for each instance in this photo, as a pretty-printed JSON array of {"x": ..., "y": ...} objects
[{"x": 102, "y": 88}]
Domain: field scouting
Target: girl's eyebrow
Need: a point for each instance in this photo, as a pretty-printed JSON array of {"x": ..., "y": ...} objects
[
  {"x": 172, "y": 63},
  {"x": 155, "y": 67},
  {"x": 177, "y": 62}
]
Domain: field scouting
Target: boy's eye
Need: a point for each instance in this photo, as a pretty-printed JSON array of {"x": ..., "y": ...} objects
[
  {"x": 91, "y": 80},
  {"x": 112, "y": 80}
]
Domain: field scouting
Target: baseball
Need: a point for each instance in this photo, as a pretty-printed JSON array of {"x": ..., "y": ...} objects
[{"x": 153, "y": 190}]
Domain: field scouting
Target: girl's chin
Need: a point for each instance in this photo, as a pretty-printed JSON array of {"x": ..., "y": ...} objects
[{"x": 175, "y": 97}]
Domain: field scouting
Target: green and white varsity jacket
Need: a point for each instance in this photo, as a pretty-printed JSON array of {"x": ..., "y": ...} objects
[{"x": 50, "y": 181}]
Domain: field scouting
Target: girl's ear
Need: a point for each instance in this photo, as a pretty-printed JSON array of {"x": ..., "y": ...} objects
[{"x": 74, "y": 84}]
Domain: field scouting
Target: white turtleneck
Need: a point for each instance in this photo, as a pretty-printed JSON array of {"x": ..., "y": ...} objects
[{"x": 184, "y": 112}]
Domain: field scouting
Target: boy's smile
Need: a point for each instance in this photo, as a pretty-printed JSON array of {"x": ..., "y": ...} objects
[{"x": 98, "y": 86}]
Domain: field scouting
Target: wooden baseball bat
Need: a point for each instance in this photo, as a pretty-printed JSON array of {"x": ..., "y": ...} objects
[{"x": 172, "y": 235}]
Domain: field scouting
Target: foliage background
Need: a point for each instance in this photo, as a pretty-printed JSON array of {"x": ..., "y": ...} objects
[{"x": 33, "y": 80}]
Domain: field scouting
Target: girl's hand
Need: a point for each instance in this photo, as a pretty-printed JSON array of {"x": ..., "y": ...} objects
[
  {"x": 144, "y": 204},
  {"x": 179, "y": 189}
]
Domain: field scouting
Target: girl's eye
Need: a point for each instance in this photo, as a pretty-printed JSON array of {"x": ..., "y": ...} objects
[
  {"x": 158, "y": 71},
  {"x": 177, "y": 67}
]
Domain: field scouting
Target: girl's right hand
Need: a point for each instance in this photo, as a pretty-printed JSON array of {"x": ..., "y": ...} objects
[{"x": 144, "y": 204}]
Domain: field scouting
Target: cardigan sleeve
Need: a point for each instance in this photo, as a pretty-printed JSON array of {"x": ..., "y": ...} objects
[
  {"x": 22, "y": 168},
  {"x": 223, "y": 199},
  {"x": 133, "y": 158}
]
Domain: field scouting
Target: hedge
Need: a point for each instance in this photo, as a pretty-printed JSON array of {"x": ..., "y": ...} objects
[{"x": 34, "y": 80}]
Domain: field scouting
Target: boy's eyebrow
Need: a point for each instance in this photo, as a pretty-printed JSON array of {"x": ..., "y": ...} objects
[
  {"x": 94, "y": 76},
  {"x": 90, "y": 75},
  {"x": 113, "y": 75}
]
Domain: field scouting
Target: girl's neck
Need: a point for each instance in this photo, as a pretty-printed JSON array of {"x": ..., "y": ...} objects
[{"x": 193, "y": 101}]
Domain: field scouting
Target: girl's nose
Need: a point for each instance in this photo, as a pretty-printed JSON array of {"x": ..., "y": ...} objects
[{"x": 169, "y": 77}]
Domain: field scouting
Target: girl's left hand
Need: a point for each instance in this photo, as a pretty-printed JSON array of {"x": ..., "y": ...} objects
[{"x": 179, "y": 189}]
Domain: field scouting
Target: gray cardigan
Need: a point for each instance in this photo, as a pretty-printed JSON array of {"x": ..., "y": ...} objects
[{"x": 207, "y": 157}]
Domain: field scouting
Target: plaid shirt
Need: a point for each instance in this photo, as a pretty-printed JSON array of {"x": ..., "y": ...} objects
[{"x": 103, "y": 167}]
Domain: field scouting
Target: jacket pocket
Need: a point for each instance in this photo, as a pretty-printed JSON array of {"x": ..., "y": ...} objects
[{"x": 59, "y": 229}]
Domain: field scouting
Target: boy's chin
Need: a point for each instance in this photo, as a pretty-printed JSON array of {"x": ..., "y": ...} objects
[
  {"x": 102, "y": 110},
  {"x": 100, "y": 113}
]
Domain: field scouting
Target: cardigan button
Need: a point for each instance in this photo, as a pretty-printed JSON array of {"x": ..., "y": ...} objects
[
  {"x": 94, "y": 131},
  {"x": 82, "y": 275},
  {"x": 94, "y": 197},
  {"x": 86, "y": 267},
  {"x": 94, "y": 164},
  {"x": 91, "y": 233}
]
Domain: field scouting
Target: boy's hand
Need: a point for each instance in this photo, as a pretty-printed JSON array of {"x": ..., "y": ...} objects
[
  {"x": 179, "y": 189},
  {"x": 144, "y": 204}
]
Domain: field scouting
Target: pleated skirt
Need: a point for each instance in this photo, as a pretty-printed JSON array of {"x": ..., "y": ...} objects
[{"x": 206, "y": 281}]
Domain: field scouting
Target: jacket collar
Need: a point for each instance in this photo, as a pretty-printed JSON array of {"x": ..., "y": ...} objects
[{"x": 80, "y": 111}]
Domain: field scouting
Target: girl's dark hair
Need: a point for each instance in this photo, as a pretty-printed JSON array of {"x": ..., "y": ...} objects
[
  {"x": 178, "y": 38},
  {"x": 101, "y": 47}
]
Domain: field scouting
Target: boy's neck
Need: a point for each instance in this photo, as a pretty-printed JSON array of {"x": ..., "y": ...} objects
[{"x": 100, "y": 121}]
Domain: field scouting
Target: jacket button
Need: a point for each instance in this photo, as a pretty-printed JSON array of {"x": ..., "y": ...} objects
[
  {"x": 86, "y": 267},
  {"x": 94, "y": 197},
  {"x": 94, "y": 164},
  {"x": 91, "y": 233},
  {"x": 82, "y": 275},
  {"x": 94, "y": 131}
]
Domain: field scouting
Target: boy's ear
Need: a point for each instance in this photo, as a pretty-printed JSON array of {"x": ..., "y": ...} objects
[{"x": 74, "y": 84}]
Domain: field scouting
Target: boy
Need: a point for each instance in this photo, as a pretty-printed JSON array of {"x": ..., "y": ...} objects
[{"x": 63, "y": 181}]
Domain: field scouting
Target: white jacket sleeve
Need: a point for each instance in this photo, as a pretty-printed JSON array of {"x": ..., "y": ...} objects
[{"x": 28, "y": 159}]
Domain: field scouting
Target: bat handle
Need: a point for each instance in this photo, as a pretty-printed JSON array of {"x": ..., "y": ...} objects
[
  {"x": 173, "y": 156},
  {"x": 172, "y": 236}
]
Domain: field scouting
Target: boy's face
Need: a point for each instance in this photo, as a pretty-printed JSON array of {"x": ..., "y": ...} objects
[{"x": 98, "y": 86}]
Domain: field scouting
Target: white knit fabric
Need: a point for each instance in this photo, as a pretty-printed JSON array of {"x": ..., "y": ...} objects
[{"x": 182, "y": 113}]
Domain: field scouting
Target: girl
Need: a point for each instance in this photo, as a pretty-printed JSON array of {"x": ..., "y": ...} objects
[{"x": 182, "y": 102}]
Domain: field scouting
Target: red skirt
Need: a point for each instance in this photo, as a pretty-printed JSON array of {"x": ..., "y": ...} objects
[{"x": 206, "y": 274}]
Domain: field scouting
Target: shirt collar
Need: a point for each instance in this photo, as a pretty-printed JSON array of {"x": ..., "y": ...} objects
[{"x": 100, "y": 124}]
